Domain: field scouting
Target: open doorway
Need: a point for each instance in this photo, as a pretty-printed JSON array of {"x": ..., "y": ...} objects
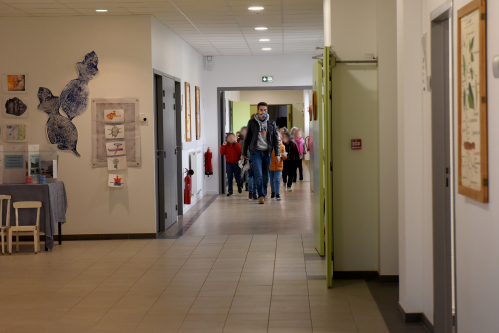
[
  {"x": 168, "y": 159},
  {"x": 236, "y": 105}
]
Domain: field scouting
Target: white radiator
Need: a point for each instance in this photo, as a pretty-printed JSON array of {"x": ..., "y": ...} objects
[{"x": 196, "y": 164}]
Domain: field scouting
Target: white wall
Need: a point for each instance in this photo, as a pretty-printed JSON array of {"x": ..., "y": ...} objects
[
  {"x": 48, "y": 49},
  {"x": 247, "y": 71},
  {"x": 476, "y": 223},
  {"x": 366, "y": 238},
  {"x": 173, "y": 56},
  {"x": 477, "y": 229},
  {"x": 387, "y": 96},
  {"x": 413, "y": 200},
  {"x": 272, "y": 96}
]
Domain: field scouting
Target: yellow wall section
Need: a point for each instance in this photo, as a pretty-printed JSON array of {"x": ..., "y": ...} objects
[
  {"x": 240, "y": 115},
  {"x": 355, "y": 172}
]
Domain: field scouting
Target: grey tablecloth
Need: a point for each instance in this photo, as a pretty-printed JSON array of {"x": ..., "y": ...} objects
[{"x": 54, "y": 206}]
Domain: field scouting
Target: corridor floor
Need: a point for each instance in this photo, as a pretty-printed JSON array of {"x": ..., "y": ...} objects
[{"x": 253, "y": 269}]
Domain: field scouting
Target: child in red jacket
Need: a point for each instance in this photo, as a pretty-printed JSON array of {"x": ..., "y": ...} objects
[{"x": 232, "y": 152}]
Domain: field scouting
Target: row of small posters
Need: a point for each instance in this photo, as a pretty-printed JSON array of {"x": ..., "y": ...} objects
[{"x": 115, "y": 146}]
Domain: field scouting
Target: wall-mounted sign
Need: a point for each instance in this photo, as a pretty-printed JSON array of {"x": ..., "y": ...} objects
[
  {"x": 267, "y": 79},
  {"x": 14, "y": 161}
]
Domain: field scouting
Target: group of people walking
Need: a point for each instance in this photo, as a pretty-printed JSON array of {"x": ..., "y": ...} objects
[{"x": 260, "y": 152}]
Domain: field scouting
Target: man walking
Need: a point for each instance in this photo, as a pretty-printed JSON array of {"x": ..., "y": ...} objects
[{"x": 261, "y": 139}]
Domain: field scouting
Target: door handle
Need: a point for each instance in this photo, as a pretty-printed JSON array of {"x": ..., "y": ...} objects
[{"x": 158, "y": 153}]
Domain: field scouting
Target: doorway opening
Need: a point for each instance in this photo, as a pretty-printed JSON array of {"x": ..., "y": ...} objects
[
  {"x": 167, "y": 106},
  {"x": 443, "y": 171},
  {"x": 236, "y": 105}
]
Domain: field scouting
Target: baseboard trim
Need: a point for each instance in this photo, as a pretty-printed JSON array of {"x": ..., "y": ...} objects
[
  {"x": 25, "y": 238},
  {"x": 427, "y": 323},
  {"x": 212, "y": 192},
  {"x": 416, "y": 317},
  {"x": 355, "y": 275},
  {"x": 388, "y": 278}
]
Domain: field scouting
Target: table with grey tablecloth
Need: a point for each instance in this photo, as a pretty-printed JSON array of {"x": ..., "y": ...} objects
[{"x": 53, "y": 211}]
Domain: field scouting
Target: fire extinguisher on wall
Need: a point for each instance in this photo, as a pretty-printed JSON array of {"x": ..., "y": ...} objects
[
  {"x": 187, "y": 189},
  {"x": 208, "y": 166}
]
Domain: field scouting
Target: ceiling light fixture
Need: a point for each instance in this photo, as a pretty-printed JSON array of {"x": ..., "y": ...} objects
[
  {"x": 255, "y": 8},
  {"x": 264, "y": 40},
  {"x": 261, "y": 28},
  {"x": 101, "y": 10},
  {"x": 266, "y": 49}
]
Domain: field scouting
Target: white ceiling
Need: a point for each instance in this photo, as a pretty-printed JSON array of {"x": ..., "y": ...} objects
[{"x": 213, "y": 27}]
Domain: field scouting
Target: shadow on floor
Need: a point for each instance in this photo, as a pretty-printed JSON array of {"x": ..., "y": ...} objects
[{"x": 386, "y": 296}]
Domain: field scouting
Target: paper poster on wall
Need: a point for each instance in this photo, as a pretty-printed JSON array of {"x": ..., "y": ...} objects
[
  {"x": 188, "y": 125},
  {"x": 34, "y": 162},
  {"x": 116, "y": 180},
  {"x": 15, "y": 83},
  {"x": 115, "y": 148},
  {"x": 114, "y": 116},
  {"x": 115, "y": 131},
  {"x": 14, "y": 157},
  {"x": 116, "y": 163},
  {"x": 15, "y": 107},
  {"x": 15, "y": 132}
]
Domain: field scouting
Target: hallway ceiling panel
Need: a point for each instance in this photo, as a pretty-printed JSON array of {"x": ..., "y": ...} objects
[{"x": 213, "y": 27}]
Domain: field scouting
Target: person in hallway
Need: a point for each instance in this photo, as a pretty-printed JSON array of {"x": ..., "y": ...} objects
[
  {"x": 242, "y": 135},
  {"x": 276, "y": 170},
  {"x": 232, "y": 150},
  {"x": 261, "y": 139},
  {"x": 302, "y": 150},
  {"x": 244, "y": 170},
  {"x": 289, "y": 166}
]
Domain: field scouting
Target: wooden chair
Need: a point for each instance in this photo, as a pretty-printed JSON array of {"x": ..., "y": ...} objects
[
  {"x": 3, "y": 229},
  {"x": 35, "y": 229}
]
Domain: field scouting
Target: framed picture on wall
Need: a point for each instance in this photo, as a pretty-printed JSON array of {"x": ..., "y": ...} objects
[
  {"x": 472, "y": 101},
  {"x": 188, "y": 126},
  {"x": 15, "y": 83},
  {"x": 198, "y": 113}
]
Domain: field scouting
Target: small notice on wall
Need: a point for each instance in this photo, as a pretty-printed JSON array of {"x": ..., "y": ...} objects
[{"x": 14, "y": 161}]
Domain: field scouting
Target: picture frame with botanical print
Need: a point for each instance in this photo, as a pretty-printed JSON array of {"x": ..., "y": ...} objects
[
  {"x": 472, "y": 101},
  {"x": 188, "y": 125},
  {"x": 198, "y": 113}
]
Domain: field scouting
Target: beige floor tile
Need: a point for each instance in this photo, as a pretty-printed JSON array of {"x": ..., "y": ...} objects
[
  {"x": 244, "y": 290},
  {"x": 251, "y": 301}
]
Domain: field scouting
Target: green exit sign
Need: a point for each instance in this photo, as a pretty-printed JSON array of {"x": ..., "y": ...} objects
[{"x": 267, "y": 79}]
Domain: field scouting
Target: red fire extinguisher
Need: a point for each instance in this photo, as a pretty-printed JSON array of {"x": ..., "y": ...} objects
[
  {"x": 187, "y": 189},
  {"x": 208, "y": 167}
]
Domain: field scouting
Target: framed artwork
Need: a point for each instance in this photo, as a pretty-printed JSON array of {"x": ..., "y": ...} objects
[
  {"x": 15, "y": 132},
  {"x": 188, "y": 126},
  {"x": 15, "y": 106},
  {"x": 15, "y": 83},
  {"x": 472, "y": 101},
  {"x": 198, "y": 113}
]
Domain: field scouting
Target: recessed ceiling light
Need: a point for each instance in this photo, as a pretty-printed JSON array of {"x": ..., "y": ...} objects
[
  {"x": 261, "y": 28},
  {"x": 266, "y": 49},
  {"x": 101, "y": 10},
  {"x": 264, "y": 40},
  {"x": 255, "y": 8}
]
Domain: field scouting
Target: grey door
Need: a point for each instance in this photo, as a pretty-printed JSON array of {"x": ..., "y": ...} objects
[
  {"x": 442, "y": 177},
  {"x": 166, "y": 152}
]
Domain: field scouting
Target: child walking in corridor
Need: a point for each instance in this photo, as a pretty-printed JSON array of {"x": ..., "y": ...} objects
[
  {"x": 289, "y": 166},
  {"x": 276, "y": 170},
  {"x": 302, "y": 150},
  {"x": 232, "y": 152}
]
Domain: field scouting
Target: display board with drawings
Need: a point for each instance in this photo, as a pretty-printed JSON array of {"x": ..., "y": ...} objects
[{"x": 128, "y": 110}]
